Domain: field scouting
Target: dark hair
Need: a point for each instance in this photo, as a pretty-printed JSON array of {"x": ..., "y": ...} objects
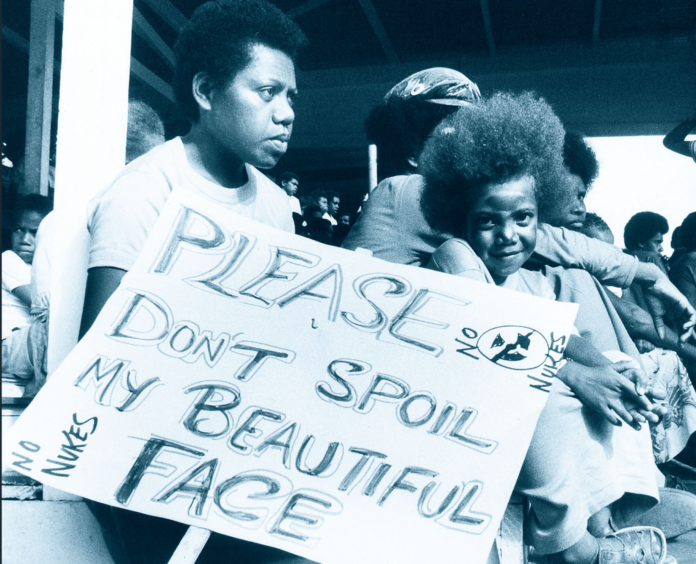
[
  {"x": 316, "y": 194},
  {"x": 31, "y": 203},
  {"x": 311, "y": 208},
  {"x": 642, "y": 227},
  {"x": 593, "y": 221},
  {"x": 499, "y": 139},
  {"x": 688, "y": 232},
  {"x": 287, "y": 175},
  {"x": 145, "y": 129},
  {"x": 579, "y": 157},
  {"x": 400, "y": 128},
  {"x": 331, "y": 194},
  {"x": 218, "y": 41}
]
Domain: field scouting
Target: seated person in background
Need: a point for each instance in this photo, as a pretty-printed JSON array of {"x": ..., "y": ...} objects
[
  {"x": 393, "y": 228},
  {"x": 145, "y": 130},
  {"x": 643, "y": 236},
  {"x": 683, "y": 270},
  {"x": 596, "y": 228},
  {"x": 17, "y": 352},
  {"x": 677, "y": 246},
  {"x": 485, "y": 169},
  {"x": 342, "y": 228},
  {"x": 334, "y": 202},
  {"x": 290, "y": 182},
  {"x": 315, "y": 227},
  {"x": 676, "y": 141}
]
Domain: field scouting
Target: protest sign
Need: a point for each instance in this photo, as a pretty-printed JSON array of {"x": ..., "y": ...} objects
[{"x": 274, "y": 389}]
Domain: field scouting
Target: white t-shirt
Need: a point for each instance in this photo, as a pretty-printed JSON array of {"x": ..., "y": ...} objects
[
  {"x": 331, "y": 219},
  {"x": 295, "y": 205},
  {"x": 121, "y": 216},
  {"x": 46, "y": 241},
  {"x": 15, "y": 273}
]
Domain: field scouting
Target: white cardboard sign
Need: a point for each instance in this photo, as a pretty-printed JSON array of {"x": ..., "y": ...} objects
[{"x": 274, "y": 389}]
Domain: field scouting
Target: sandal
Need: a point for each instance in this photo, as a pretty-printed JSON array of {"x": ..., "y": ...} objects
[{"x": 634, "y": 545}]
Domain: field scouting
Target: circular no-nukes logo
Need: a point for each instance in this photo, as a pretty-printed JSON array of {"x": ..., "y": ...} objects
[{"x": 514, "y": 347}]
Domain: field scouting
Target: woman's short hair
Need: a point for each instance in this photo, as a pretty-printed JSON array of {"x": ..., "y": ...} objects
[
  {"x": 642, "y": 227},
  {"x": 218, "y": 41},
  {"x": 496, "y": 140}
]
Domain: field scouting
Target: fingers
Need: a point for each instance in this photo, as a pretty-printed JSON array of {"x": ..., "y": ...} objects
[
  {"x": 659, "y": 326},
  {"x": 622, "y": 412}
]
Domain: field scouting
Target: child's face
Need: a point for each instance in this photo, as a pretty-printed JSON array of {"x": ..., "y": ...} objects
[
  {"x": 251, "y": 116},
  {"x": 501, "y": 227},
  {"x": 323, "y": 203},
  {"x": 24, "y": 235}
]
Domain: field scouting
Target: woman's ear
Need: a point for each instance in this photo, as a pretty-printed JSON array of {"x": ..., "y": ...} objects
[{"x": 202, "y": 88}]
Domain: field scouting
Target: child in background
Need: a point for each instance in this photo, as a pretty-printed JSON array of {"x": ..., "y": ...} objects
[
  {"x": 16, "y": 290},
  {"x": 483, "y": 169}
]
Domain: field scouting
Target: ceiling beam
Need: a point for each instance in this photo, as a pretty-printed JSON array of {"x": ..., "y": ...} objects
[
  {"x": 15, "y": 39},
  {"x": 138, "y": 70},
  {"x": 151, "y": 79},
  {"x": 379, "y": 30},
  {"x": 306, "y": 7},
  {"x": 595, "y": 26},
  {"x": 168, "y": 12},
  {"x": 147, "y": 32},
  {"x": 488, "y": 26}
]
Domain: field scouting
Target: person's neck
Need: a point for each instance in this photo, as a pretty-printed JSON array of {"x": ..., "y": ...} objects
[{"x": 212, "y": 161}]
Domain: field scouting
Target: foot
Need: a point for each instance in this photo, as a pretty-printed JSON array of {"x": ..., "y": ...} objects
[{"x": 633, "y": 545}]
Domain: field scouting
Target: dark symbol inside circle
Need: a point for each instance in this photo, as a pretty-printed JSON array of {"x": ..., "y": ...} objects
[{"x": 514, "y": 347}]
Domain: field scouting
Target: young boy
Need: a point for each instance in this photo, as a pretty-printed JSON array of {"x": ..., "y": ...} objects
[
  {"x": 483, "y": 170},
  {"x": 235, "y": 82},
  {"x": 16, "y": 287}
]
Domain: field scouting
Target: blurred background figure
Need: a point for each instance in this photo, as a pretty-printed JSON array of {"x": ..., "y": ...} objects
[
  {"x": 145, "y": 130},
  {"x": 676, "y": 141},
  {"x": 290, "y": 182},
  {"x": 597, "y": 228}
]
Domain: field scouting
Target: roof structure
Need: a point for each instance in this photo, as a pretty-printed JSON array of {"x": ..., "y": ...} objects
[{"x": 609, "y": 67}]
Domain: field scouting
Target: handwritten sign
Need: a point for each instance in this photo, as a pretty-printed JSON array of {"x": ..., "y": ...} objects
[{"x": 267, "y": 387}]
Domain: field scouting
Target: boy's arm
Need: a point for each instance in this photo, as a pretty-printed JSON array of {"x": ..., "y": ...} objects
[
  {"x": 675, "y": 139},
  {"x": 640, "y": 325},
  {"x": 24, "y": 294},
  {"x": 611, "y": 266},
  {"x": 101, "y": 283}
]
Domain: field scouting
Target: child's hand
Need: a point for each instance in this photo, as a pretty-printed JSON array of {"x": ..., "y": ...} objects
[{"x": 617, "y": 390}]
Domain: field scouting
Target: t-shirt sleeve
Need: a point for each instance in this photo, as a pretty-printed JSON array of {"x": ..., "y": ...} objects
[
  {"x": 15, "y": 272},
  {"x": 458, "y": 258},
  {"x": 557, "y": 246},
  {"x": 123, "y": 218}
]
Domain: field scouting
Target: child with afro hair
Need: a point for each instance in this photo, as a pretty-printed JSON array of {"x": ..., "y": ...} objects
[{"x": 485, "y": 169}]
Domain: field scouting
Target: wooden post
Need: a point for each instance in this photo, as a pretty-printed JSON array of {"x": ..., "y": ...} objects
[
  {"x": 39, "y": 97},
  {"x": 372, "y": 167},
  {"x": 91, "y": 150}
]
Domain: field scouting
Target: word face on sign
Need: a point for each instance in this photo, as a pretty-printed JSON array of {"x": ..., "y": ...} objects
[{"x": 270, "y": 388}]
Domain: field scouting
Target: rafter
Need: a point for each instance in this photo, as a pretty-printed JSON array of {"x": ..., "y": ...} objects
[
  {"x": 168, "y": 12},
  {"x": 151, "y": 79},
  {"x": 379, "y": 30},
  {"x": 306, "y": 7},
  {"x": 488, "y": 26},
  {"x": 14, "y": 38},
  {"x": 147, "y": 32},
  {"x": 595, "y": 26}
]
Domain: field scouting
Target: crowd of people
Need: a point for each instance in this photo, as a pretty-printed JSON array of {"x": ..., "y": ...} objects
[{"x": 484, "y": 186}]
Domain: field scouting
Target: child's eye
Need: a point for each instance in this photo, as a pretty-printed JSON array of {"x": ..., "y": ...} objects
[
  {"x": 484, "y": 222},
  {"x": 292, "y": 98},
  {"x": 524, "y": 217}
]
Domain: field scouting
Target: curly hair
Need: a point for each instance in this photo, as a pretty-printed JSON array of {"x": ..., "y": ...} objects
[
  {"x": 499, "y": 139},
  {"x": 399, "y": 128},
  {"x": 31, "y": 203},
  {"x": 595, "y": 224},
  {"x": 579, "y": 157},
  {"x": 688, "y": 232},
  {"x": 642, "y": 227},
  {"x": 218, "y": 41},
  {"x": 288, "y": 175},
  {"x": 145, "y": 129}
]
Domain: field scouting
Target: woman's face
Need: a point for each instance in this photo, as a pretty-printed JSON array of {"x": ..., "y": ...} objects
[{"x": 501, "y": 226}]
